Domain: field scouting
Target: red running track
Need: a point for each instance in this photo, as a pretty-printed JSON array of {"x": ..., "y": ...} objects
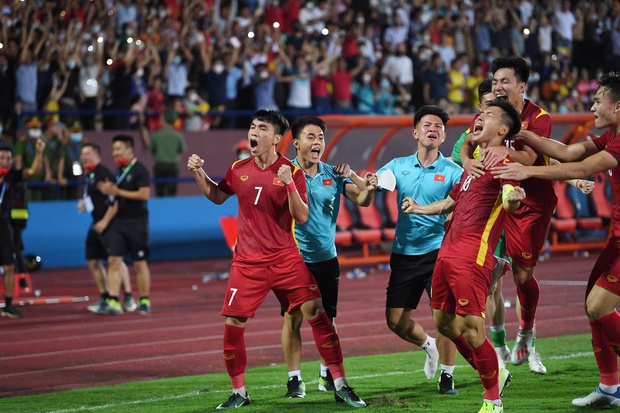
[{"x": 63, "y": 346}]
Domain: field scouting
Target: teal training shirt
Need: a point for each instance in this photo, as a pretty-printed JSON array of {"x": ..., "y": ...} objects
[
  {"x": 420, "y": 234},
  {"x": 316, "y": 238}
]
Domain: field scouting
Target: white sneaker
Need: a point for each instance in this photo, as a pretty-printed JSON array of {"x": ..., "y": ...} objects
[
  {"x": 521, "y": 349},
  {"x": 503, "y": 355},
  {"x": 535, "y": 362},
  {"x": 501, "y": 268},
  {"x": 432, "y": 358},
  {"x": 598, "y": 397}
]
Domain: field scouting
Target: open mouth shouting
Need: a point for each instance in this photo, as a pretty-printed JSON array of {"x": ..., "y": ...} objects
[{"x": 315, "y": 154}]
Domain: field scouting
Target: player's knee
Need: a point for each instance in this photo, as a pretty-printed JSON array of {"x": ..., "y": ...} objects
[{"x": 596, "y": 309}]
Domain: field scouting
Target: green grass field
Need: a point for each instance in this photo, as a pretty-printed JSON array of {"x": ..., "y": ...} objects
[{"x": 388, "y": 383}]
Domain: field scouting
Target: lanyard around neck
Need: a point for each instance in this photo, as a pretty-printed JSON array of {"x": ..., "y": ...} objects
[{"x": 126, "y": 171}]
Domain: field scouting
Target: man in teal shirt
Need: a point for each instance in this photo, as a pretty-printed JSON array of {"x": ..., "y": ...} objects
[
  {"x": 316, "y": 238},
  {"x": 426, "y": 176}
]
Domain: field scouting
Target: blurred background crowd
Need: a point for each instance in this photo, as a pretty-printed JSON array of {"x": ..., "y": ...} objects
[{"x": 94, "y": 61}]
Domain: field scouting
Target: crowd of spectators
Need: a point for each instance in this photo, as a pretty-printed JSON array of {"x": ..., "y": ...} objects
[{"x": 327, "y": 56}]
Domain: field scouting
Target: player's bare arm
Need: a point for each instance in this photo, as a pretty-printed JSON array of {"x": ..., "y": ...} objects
[
  {"x": 583, "y": 185},
  {"x": 493, "y": 154},
  {"x": 599, "y": 162},
  {"x": 474, "y": 167},
  {"x": 363, "y": 192},
  {"x": 296, "y": 206},
  {"x": 410, "y": 206},
  {"x": 512, "y": 197},
  {"x": 558, "y": 150},
  {"x": 205, "y": 183}
]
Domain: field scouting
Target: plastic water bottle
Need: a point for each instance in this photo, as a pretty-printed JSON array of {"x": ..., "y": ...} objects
[
  {"x": 223, "y": 276},
  {"x": 546, "y": 251},
  {"x": 356, "y": 273},
  {"x": 384, "y": 266},
  {"x": 581, "y": 254}
]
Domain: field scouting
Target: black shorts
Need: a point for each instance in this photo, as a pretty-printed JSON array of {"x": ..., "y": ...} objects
[
  {"x": 95, "y": 247},
  {"x": 327, "y": 275},
  {"x": 128, "y": 236},
  {"x": 7, "y": 245},
  {"x": 411, "y": 276}
]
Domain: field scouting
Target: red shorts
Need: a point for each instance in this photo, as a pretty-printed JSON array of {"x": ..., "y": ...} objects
[
  {"x": 526, "y": 232},
  {"x": 460, "y": 287},
  {"x": 606, "y": 271},
  {"x": 247, "y": 287}
]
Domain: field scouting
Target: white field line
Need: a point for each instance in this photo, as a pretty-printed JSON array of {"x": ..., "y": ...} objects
[{"x": 199, "y": 392}]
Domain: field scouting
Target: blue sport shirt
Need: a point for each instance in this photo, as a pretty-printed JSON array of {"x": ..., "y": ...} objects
[
  {"x": 316, "y": 238},
  {"x": 420, "y": 234}
]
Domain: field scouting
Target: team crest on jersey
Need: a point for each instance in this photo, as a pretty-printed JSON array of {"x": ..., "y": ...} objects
[
  {"x": 406, "y": 172},
  {"x": 277, "y": 181},
  {"x": 440, "y": 178},
  {"x": 328, "y": 182},
  {"x": 244, "y": 178},
  {"x": 524, "y": 125},
  {"x": 463, "y": 302},
  {"x": 526, "y": 255}
]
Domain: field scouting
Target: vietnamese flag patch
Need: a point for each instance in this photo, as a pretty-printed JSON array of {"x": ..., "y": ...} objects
[
  {"x": 277, "y": 181},
  {"x": 440, "y": 178},
  {"x": 328, "y": 182}
]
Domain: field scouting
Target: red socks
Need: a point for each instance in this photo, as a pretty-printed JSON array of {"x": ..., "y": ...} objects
[
  {"x": 328, "y": 344},
  {"x": 488, "y": 369},
  {"x": 234, "y": 355},
  {"x": 528, "y": 294},
  {"x": 465, "y": 350},
  {"x": 606, "y": 346}
]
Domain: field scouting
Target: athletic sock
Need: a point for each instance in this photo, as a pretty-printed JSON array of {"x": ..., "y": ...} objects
[
  {"x": 498, "y": 336},
  {"x": 235, "y": 355},
  {"x": 328, "y": 344},
  {"x": 8, "y": 301},
  {"x": 295, "y": 373},
  {"x": 488, "y": 369},
  {"x": 324, "y": 371},
  {"x": 446, "y": 369},
  {"x": 466, "y": 351},
  {"x": 603, "y": 347},
  {"x": 528, "y": 294}
]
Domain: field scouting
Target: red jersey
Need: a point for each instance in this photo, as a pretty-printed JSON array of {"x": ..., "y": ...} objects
[
  {"x": 610, "y": 142},
  {"x": 477, "y": 221},
  {"x": 539, "y": 192},
  {"x": 266, "y": 228}
]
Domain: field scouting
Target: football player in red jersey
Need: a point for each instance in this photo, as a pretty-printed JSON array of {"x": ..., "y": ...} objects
[
  {"x": 464, "y": 269},
  {"x": 272, "y": 197},
  {"x": 603, "y": 291}
]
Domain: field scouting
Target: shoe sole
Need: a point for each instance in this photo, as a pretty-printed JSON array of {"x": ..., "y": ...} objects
[
  {"x": 506, "y": 384},
  {"x": 9, "y": 315},
  {"x": 450, "y": 392}
]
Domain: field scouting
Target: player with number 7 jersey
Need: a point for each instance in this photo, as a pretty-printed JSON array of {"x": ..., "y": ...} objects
[{"x": 272, "y": 198}]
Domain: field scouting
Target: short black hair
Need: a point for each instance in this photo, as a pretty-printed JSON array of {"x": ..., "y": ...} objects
[
  {"x": 431, "y": 110},
  {"x": 6, "y": 148},
  {"x": 510, "y": 117},
  {"x": 611, "y": 82},
  {"x": 516, "y": 63},
  {"x": 301, "y": 122},
  {"x": 273, "y": 117},
  {"x": 483, "y": 88},
  {"x": 95, "y": 147},
  {"x": 127, "y": 139}
]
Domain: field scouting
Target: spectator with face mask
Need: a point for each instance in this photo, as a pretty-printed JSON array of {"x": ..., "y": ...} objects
[
  {"x": 264, "y": 83},
  {"x": 243, "y": 150},
  {"x": 69, "y": 166},
  {"x": 24, "y": 155}
]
